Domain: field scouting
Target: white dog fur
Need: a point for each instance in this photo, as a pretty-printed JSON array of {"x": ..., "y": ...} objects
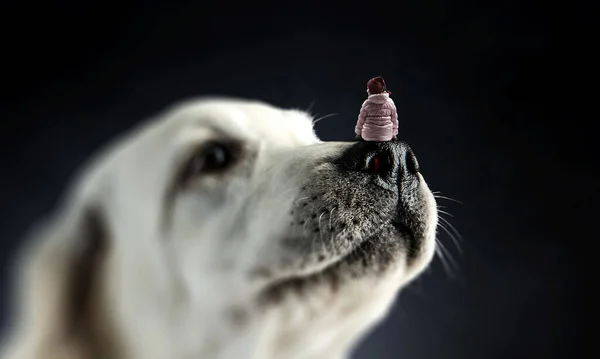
[{"x": 281, "y": 254}]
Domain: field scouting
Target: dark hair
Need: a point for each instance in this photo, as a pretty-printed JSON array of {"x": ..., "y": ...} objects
[{"x": 376, "y": 85}]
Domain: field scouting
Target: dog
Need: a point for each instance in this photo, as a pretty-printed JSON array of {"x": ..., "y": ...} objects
[{"x": 223, "y": 228}]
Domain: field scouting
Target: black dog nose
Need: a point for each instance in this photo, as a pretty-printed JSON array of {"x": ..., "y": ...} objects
[{"x": 388, "y": 159}]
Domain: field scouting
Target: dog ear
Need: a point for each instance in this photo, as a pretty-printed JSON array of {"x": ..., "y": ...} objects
[{"x": 57, "y": 278}]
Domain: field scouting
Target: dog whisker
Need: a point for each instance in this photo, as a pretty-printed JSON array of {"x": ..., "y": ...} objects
[
  {"x": 438, "y": 194},
  {"x": 321, "y": 234},
  {"x": 451, "y": 263},
  {"x": 324, "y": 117},
  {"x": 443, "y": 260},
  {"x": 447, "y": 198},
  {"x": 452, "y": 237},
  {"x": 310, "y": 106},
  {"x": 332, "y": 234},
  {"x": 444, "y": 212},
  {"x": 457, "y": 236}
]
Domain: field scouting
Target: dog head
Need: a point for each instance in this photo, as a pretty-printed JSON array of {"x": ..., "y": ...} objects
[{"x": 225, "y": 229}]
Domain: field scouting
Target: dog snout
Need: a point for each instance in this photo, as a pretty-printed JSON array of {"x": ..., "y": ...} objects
[{"x": 388, "y": 159}]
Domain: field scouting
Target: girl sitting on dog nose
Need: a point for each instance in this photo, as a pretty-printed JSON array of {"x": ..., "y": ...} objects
[{"x": 378, "y": 119}]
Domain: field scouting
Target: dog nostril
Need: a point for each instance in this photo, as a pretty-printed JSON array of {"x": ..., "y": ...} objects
[
  {"x": 375, "y": 163},
  {"x": 412, "y": 166}
]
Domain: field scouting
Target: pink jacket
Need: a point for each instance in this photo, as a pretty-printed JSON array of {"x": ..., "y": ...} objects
[{"x": 378, "y": 119}]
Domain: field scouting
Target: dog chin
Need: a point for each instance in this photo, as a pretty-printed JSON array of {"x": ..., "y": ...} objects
[{"x": 371, "y": 258}]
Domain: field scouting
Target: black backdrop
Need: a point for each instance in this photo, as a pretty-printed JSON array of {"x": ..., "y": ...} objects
[{"x": 474, "y": 97}]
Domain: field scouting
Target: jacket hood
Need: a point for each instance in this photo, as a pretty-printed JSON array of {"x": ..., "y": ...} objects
[{"x": 380, "y": 97}]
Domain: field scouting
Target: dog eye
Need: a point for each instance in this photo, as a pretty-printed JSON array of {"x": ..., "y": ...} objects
[{"x": 213, "y": 157}]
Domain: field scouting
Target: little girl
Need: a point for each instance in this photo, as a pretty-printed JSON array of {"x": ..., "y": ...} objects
[{"x": 378, "y": 119}]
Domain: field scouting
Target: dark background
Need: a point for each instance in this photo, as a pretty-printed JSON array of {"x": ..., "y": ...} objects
[{"x": 476, "y": 101}]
